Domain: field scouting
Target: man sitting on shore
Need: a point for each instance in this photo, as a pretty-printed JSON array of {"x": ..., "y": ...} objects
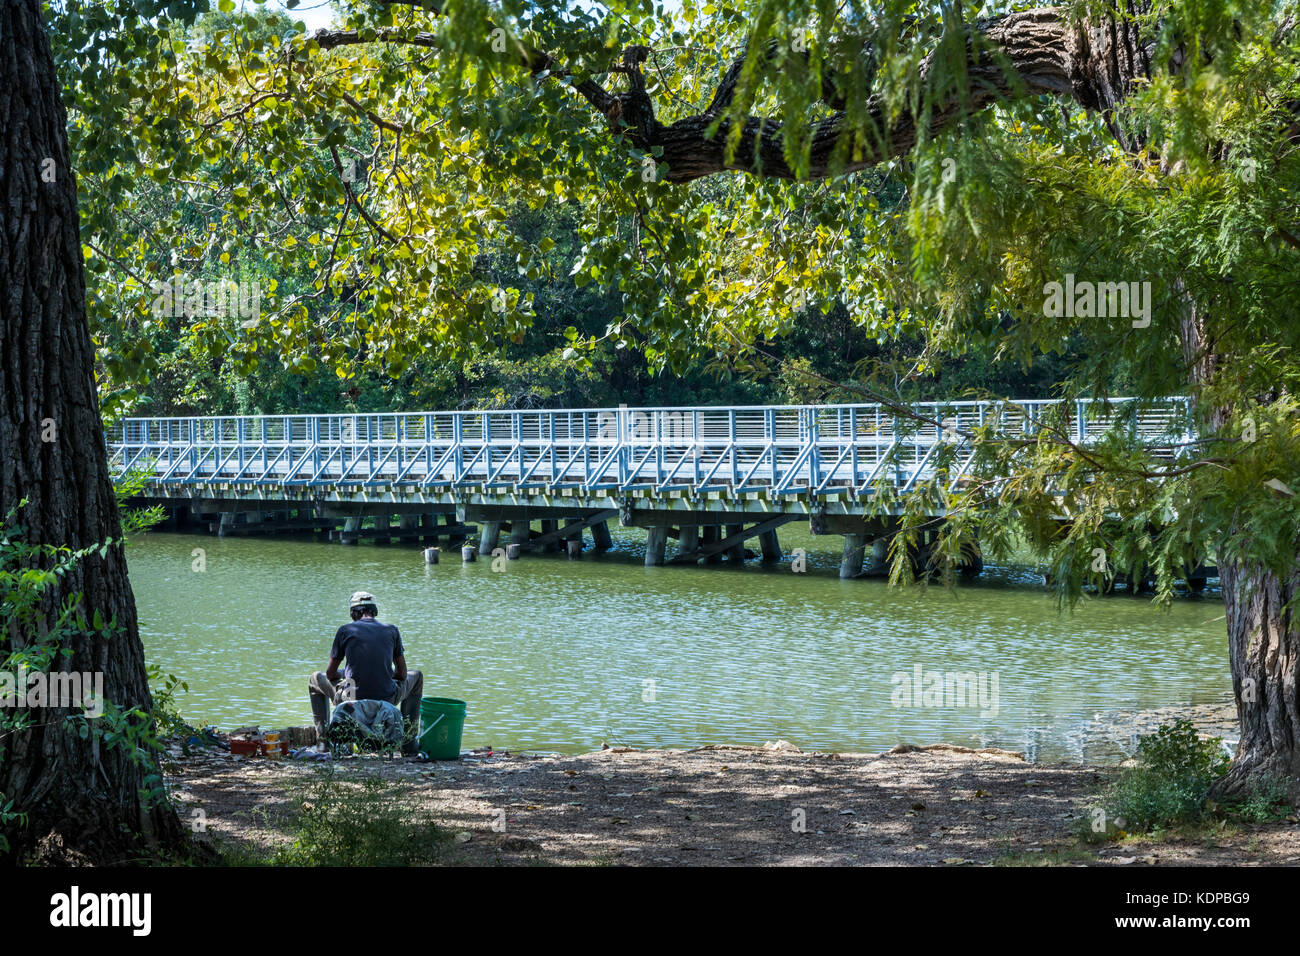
[{"x": 376, "y": 663}]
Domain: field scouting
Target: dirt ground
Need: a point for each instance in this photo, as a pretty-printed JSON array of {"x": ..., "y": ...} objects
[{"x": 729, "y": 806}]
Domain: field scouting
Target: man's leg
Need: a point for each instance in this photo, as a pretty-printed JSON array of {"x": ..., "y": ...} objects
[
  {"x": 321, "y": 691},
  {"x": 407, "y": 698}
]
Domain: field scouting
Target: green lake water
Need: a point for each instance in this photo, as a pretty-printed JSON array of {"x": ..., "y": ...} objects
[{"x": 554, "y": 654}]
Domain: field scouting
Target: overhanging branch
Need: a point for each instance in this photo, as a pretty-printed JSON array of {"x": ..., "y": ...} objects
[{"x": 1029, "y": 53}]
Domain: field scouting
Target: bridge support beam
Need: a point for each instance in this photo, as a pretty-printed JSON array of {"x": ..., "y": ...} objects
[
  {"x": 227, "y": 525},
  {"x": 557, "y": 537},
  {"x": 770, "y": 545},
  {"x": 710, "y": 548},
  {"x": 488, "y": 535},
  {"x": 547, "y": 538},
  {"x": 453, "y": 528},
  {"x": 829, "y": 524},
  {"x": 879, "y": 560},
  {"x": 351, "y": 530},
  {"x": 851, "y": 562},
  {"x": 520, "y": 532},
  {"x": 688, "y": 541},
  {"x": 410, "y": 528},
  {"x": 709, "y": 544},
  {"x": 736, "y": 551},
  {"x": 921, "y": 554},
  {"x": 382, "y": 525},
  {"x": 600, "y": 536},
  {"x": 574, "y": 530},
  {"x": 656, "y": 537},
  {"x": 573, "y": 536}
]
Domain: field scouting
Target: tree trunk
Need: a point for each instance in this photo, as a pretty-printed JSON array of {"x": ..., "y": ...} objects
[
  {"x": 1264, "y": 648},
  {"x": 83, "y": 799},
  {"x": 1263, "y": 637}
]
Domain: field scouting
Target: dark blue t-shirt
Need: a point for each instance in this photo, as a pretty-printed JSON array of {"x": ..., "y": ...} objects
[{"x": 369, "y": 647}]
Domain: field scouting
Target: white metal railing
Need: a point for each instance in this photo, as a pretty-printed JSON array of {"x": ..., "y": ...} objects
[{"x": 816, "y": 448}]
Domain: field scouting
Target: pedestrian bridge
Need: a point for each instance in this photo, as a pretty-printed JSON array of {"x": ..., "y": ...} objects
[{"x": 699, "y": 475}]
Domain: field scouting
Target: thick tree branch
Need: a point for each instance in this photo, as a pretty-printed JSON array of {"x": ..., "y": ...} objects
[
  {"x": 331, "y": 39},
  {"x": 1029, "y": 53}
]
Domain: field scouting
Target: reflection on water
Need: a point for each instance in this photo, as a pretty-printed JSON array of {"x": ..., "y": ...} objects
[{"x": 558, "y": 655}]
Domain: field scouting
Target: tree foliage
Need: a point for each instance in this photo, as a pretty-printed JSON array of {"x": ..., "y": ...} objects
[{"x": 427, "y": 187}]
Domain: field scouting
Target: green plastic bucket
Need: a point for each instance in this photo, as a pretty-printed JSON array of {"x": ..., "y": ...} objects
[{"x": 442, "y": 720}]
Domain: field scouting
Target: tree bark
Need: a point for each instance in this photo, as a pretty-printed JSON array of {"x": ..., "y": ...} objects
[
  {"x": 1264, "y": 650},
  {"x": 1021, "y": 54},
  {"x": 1263, "y": 637},
  {"x": 83, "y": 799},
  {"x": 1032, "y": 52}
]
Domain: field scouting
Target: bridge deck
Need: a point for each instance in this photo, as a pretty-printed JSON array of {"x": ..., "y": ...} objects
[{"x": 800, "y": 451}]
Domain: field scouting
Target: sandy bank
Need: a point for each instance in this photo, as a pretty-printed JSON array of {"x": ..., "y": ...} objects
[{"x": 725, "y": 806}]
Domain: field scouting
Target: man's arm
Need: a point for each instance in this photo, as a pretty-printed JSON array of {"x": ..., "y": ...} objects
[
  {"x": 336, "y": 654},
  {"x": 399, "y": 657}
]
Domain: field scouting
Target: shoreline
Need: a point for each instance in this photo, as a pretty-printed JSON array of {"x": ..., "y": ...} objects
[
  {"x": 774, "y": 805},
  {"x": 1214, "y": 719},
  {"x": 1116, "y": 730},
  {"x": 1112, "y": 733}
]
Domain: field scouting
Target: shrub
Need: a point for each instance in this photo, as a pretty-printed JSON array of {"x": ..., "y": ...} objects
[
  {"x": 366, "y": 823},
  {"x": 1171, "y": 781},
  {"x": 1266, "y": 801}
]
